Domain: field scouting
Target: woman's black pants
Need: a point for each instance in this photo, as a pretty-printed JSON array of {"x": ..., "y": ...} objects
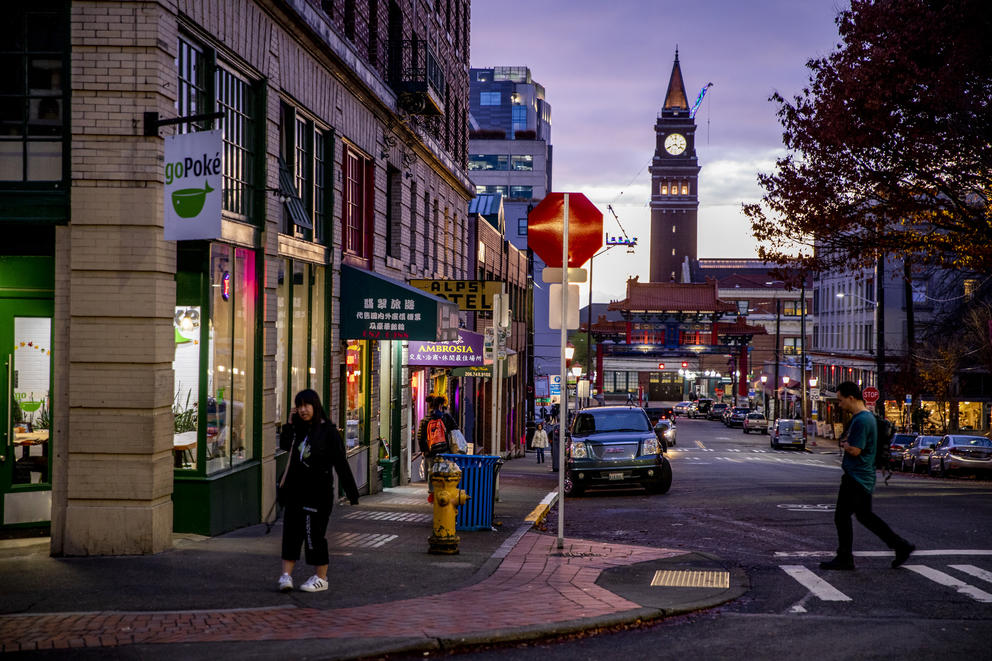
[{"x": 305, "y": 526}]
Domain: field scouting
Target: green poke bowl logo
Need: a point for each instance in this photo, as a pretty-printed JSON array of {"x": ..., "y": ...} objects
[{"x": 188, "y": 202}]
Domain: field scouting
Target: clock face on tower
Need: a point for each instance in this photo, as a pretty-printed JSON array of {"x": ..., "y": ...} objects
[{"x": 675, "y": 144}]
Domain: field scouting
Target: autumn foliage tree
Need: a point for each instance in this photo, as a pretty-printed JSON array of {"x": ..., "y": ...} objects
[{"x": 889, "y": 145}]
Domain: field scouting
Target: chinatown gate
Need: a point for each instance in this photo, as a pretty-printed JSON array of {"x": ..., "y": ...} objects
[{"x": 675, "y": 341}]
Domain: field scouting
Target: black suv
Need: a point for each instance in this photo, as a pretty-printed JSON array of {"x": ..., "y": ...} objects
[
  {"x": 716, "y": 411},
  {"x": 612, "y": 445},
  {"x": 702, "y": 408}
]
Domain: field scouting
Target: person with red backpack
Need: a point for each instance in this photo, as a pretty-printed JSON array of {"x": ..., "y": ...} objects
[{"x": 432, "y": 437}]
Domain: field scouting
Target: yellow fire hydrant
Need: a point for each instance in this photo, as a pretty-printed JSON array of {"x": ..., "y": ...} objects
[{"x": 447, "y": 497}]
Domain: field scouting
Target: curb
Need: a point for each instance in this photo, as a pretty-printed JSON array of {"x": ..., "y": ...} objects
[{"x": 540, "y": 513}]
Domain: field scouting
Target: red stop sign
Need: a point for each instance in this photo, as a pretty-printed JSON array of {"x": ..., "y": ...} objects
[
  {"x": 870, "y": 394},
  {"x": 546, "y": 222}
]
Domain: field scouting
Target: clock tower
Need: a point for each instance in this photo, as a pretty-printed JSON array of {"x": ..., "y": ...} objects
[{"x": 674, "y": 184}]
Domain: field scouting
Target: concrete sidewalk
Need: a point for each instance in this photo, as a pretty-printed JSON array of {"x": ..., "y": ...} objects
[{"x": 215, "y": 597}]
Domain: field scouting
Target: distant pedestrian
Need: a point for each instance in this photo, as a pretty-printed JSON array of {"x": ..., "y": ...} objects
[
  {"x": 306, "y": 489},
  {"x": 858, "y": 482},
  {"x": 553, "y": 436},
  {"x": 540, "y": 441},
  {"x": 544, "y": 413}
]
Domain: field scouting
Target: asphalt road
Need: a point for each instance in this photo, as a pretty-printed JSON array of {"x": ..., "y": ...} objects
[{"x": 769, "y": 514}]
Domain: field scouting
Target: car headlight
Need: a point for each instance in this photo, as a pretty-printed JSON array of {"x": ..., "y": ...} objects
[
  {"x": 669, "y": 433},
  {"x": 579, "y": 450},
  {"x": 649, "y": 446}
]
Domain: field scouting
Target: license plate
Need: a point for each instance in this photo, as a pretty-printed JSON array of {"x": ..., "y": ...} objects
[{"x": 616, "y": 476}]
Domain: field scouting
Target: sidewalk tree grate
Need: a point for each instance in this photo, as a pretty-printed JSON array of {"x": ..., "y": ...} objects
[{"x": 690, "y": 578}]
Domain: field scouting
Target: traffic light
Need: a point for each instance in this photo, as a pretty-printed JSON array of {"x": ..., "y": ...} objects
[
  {"x": 685, "y": 364},
  {"x": 661, "y": 366}
]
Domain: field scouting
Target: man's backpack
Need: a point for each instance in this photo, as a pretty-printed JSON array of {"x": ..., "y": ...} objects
[
  {"x": 437, "y": 436},
  {"x": 883, "y": 449}
]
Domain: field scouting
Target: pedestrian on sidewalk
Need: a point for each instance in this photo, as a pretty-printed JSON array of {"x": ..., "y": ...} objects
[
  {"x": 858, "y": 482},
  {"x": 306, "y": 489},
  {"x": 540, "y": 441},
  {"x": 437, "y": 404},
  {"x": 422, "y": 440}
]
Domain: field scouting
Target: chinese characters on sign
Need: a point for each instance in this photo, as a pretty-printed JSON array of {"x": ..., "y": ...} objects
[
  {"x": 388, "y": 315},
  {"x": 466, "y": 351}
]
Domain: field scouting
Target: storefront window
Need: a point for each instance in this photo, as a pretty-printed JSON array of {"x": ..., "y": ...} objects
[
  {"x": 354, "y": 394},
  {"x": 186, "y": 395},
  {"x": 300, "y": 329},
  {"x": 970, "y": 416},
  {"x": 230, "y": 357},
  {"x": 31, "y": 407}
]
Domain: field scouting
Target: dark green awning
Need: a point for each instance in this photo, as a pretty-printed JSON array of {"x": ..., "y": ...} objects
[{"x": 374, "y": 307}]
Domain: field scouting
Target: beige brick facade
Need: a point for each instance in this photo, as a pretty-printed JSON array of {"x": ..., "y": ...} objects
[{"x": 115, "y": 273}]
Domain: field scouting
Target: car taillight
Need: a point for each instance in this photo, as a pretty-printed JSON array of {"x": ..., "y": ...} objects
[
  {"x": 956, "y": 452},
  {"x": 925, "y": 451}
]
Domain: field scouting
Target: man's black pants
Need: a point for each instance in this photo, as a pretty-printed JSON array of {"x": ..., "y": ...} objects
[
  {"x": 855, "y": 499},
  {"x": 306, "y": 526}
]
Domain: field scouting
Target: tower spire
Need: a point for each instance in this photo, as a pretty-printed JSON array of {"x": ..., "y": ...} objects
[{"x": 675, "y": 98}]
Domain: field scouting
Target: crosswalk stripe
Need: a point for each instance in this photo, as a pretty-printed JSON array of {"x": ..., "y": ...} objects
[
  {"x": 816, "y": 585},
  {"x": 974, "y": 571},
  {"x": 948, "y": 580}
]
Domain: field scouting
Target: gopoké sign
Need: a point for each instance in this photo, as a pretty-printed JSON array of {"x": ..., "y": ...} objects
[{"x": 193, "y": 177}]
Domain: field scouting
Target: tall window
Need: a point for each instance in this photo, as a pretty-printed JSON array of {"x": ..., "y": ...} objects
[
  {"x": 303, "y": 175},
  {"x": 522, "y": 226},
  {"x": 791, "y": 308},
  {"x": 357, "y": 205},
  {"x": 518, "y": 115},
  {"x": 32, "y": 58},
  {"x": 394, "y": 196},
  {"x": 791, "y": 346},
  {"x": 236, "y": 99}
]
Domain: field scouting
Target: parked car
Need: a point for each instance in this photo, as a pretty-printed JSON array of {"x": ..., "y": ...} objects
[
  {"x": 692, "y": 410},
  {"x": 786, "y": 431},
  {"x": 703, "y": 406},
  {"x": 917, "y": 455},
  {"x": 736, "y": 416},
  {"x": 957, "y": 453},
  {"x": 665, "y": 431},
  {"x": 899, "y": 444},
  {"x": 682, "y": 408},
  {"x": 716, "y": 411},
  {"x": 755, "y": 422},
  {"x": 656, "y": 413},
  {"x": 612, "y": 445}
]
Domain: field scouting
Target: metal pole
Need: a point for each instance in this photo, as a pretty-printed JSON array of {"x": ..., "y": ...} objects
[
  {"x": 778, "y": 343},
  {"x": 494, "y": 384},
  {"x": 880, "y": 330},
  {"x": 564, "y": 377},
  {"x": 802, "y": 354}
]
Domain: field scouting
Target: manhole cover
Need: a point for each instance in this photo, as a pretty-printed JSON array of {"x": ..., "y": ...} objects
[{"x": 690, "y": 578}]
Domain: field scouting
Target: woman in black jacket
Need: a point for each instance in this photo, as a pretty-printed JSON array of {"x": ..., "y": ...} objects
[{"x": 307, "y": 488}]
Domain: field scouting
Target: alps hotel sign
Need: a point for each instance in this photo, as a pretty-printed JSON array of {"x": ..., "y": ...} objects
[{"x": 468, "y": 295}]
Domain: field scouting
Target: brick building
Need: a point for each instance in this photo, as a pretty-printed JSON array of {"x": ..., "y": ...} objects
[{"x": 154, "y": 371}]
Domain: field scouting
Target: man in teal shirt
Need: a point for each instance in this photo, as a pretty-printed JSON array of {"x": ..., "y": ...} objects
[{"x": 858, "y": 483}]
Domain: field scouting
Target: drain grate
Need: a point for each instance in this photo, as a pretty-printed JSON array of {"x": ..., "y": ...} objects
[{"x": 686, "y": 578}]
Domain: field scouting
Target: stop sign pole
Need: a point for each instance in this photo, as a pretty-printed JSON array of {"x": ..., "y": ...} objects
[{"x": 564, "y": 377}]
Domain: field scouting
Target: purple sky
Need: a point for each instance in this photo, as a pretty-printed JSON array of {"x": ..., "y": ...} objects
[{"x": 605, "y": 67}]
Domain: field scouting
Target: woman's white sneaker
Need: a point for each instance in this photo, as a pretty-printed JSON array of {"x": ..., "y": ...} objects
[
  {"x": 314, "y": 584},
  {"x": 285, "y": 583}
]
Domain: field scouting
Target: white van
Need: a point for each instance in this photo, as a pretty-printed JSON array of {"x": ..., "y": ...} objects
[{"x": 786, "y": 432}]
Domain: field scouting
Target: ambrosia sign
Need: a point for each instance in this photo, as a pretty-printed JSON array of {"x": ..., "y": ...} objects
[
  {"x": 466, "y": 294},
  {"x": 193, "y": 178},
  {"x": 466, "y": 351}
]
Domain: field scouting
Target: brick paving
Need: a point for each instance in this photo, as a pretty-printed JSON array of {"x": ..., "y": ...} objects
[{"x": 536, "y": 584}]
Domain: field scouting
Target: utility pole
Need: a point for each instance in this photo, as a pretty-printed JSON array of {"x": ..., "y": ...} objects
[
  {"x": 907, "y": 273},
  {"x": 778, "y": 344},
  {"x": 880, "y": 333},
  {"x": 802, "y": 353}
]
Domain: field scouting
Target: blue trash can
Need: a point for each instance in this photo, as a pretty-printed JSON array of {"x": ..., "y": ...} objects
[{"x": 479, "y": 482}]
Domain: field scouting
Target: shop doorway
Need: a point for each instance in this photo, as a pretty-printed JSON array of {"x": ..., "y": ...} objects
[{"x": 26, "y": 413}]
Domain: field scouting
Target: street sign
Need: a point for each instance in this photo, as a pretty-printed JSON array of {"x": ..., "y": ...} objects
[
  {"x": 488, "y": 343},
  {"x": 554, "y": 307},
  {"x": 870, "y": 394},
  {"x": 546, "y": 224},
  {"x": 814, "y": 393},
  {"x": 554, "y": 383},
  {"x": 909, "y": 400}
]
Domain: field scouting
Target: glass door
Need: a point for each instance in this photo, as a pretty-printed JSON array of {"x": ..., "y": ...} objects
[{"x": 25, "y": 411}]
